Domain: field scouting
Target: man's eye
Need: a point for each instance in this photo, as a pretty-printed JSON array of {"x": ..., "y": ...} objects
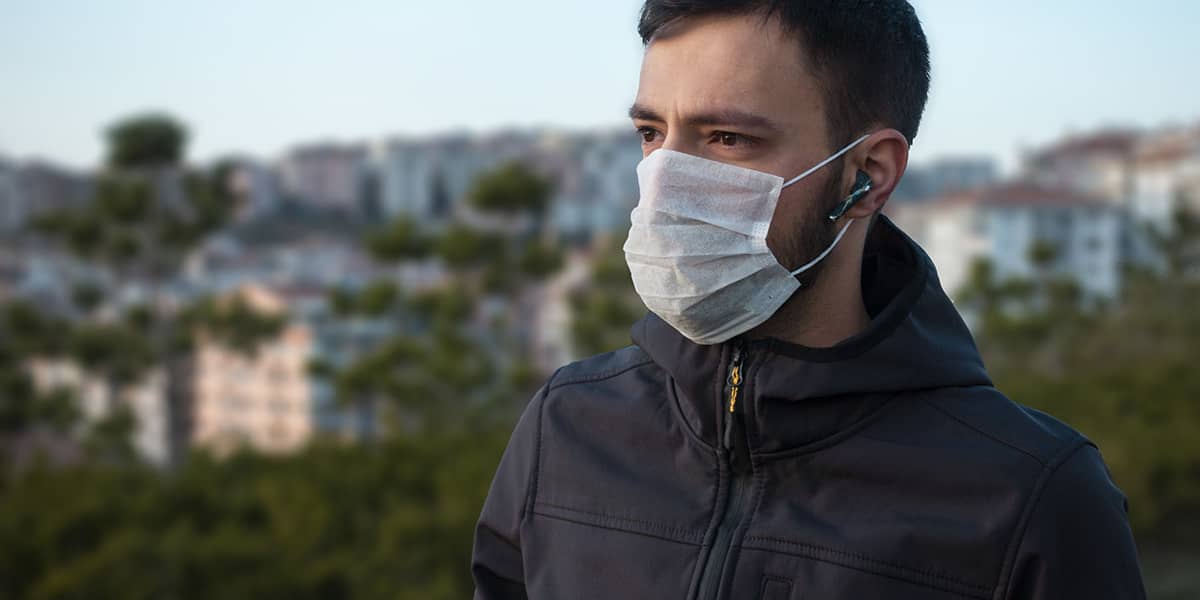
[
  {"x": 730, "y": 139},
  {"x": 647, "y": 134}
]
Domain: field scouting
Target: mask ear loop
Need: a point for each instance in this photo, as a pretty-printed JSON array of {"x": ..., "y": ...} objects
[
  {"x": 850, "y": 222},
  {"x": 827, "y": 161},
  {"x": 827, "y": 250}
]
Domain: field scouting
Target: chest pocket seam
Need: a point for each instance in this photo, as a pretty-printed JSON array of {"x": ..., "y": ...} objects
[{"x": 775, "y": 587}]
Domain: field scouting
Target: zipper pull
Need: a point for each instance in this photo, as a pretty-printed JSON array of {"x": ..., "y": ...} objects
[
  {"x": 735, "y": 385},
  {"x": 734, "y": 381}
]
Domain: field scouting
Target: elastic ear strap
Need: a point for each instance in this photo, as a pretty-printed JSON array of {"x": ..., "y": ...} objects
[
  {"x": 827, "y": 250},
  {"x": 827, "y": 161}
]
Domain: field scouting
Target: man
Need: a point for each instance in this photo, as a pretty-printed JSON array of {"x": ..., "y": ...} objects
[{"x": 803, "y": 413}]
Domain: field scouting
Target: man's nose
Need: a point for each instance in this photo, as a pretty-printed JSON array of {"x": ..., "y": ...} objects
[
  {"x": 681, "y": 140},
  {"x": 674, "y": 140}
]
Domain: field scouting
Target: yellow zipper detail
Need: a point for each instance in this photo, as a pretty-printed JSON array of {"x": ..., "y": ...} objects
[{"x": 735, "y": 378}]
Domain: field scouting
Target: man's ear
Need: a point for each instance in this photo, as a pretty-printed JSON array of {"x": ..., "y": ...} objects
[{"x": 883, "y": 157}]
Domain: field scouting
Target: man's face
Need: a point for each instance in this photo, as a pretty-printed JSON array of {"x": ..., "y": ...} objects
[{"x": 735, "y": 90}]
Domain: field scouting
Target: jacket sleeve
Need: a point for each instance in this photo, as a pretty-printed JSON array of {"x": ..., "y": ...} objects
[
  {"x": 1077, "y": 542},
  {"x": 496, "y": 561}
]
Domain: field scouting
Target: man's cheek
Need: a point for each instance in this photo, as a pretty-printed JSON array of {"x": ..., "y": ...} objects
[{"x": 782, "y": 238}]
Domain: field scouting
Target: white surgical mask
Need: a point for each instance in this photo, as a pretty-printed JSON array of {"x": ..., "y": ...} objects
[{"x": 697, "y": 247}]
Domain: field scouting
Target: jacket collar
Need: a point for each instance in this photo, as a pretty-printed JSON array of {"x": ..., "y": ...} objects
[{"x": 801, "y": 395}]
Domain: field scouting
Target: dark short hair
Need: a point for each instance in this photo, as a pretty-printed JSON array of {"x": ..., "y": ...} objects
[{"x": 871, "y": 56}]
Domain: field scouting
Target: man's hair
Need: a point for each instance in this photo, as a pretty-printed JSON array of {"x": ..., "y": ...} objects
[{"x": 871, "y": 56}]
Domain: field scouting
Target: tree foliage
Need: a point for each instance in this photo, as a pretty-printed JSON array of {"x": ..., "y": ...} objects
[
  {"x": 230, "y": 321},
  {"x": 147, "y": 211},
  {"x": 393, "y": 520},
  {"x": 146, "y": 141},
  {"x": 1123, "y": 374},
  {"x": 400, "y": 240},
  {"x": 25, "y": 332},
  {"x": 511, "y": 189},
  {"x": 462, "y": 247},
  {"x": 605, "y": 310}
]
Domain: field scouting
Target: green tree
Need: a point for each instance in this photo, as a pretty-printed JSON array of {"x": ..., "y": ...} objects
[
  {"x": 25, "y": 333},
  {"x": 392, "y": 520},
  {"x": 149, "y": 140},
  {"x": 148, "y": 211},
  {"x": 512, "y": 189},
  {"x": 1123, "y": 373},
  {"x": 605, "y": 310},
  {"x": 400, "y": 240},
  {"x": 462, "y": 247},
  {"x": 232, "y": 322},
  {"x": 389, "y": 519}
]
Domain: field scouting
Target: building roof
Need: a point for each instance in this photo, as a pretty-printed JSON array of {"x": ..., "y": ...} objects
[
  {"x": 328, "y": 151},
  {"x": 1020, "y": 194},
  {"x": 1169, "y": 147},
  {"x": 1109, "y": 142}
]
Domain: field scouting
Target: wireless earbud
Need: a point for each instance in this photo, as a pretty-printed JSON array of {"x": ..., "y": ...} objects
[{"x": 862, "y": 185}]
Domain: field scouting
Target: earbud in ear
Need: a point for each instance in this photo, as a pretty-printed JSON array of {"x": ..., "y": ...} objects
[{"x": 862, "y": 185}]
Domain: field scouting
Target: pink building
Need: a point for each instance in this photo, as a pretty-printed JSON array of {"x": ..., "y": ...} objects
[
  {"x": 325, "y": 176},
  {"x": 260, "y": 401}
]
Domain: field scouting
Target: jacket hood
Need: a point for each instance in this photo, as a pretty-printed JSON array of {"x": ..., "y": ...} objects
[{"x": 916, "y": 340}]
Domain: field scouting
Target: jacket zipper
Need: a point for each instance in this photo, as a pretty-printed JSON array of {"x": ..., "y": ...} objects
[{"x": 736, "y": 457}]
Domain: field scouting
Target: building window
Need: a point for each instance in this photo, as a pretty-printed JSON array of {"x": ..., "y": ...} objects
[
  {"x": 978, "y": 222},
  {"x": 277, "y": 372},
  {"x": 278, "y": 432},
  {"x": 279, "y": 406}
]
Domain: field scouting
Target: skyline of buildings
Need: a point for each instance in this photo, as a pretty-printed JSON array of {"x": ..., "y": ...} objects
[
  {"x": 1089, "y": 196},
  {"x": 1096, "y": 200},
  {"x": 1001, "y": 223}
]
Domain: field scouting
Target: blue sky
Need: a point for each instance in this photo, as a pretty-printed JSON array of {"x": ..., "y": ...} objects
[{"x": 258, "y": 76}]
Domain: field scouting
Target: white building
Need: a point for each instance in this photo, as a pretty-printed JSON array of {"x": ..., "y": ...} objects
[
  {"x": 1147, "y": 175},
  {"x": 411, "y": 183},
  {"x": 147, "y": 399},
  {"x": 551, "y": 326},
  {"x": 1166, "y": 176},
  {"x": 326, "y": 176},
  {"x": 594, "y": 175},
  {"x": 428, "y": 179},
  {"x": 945, "y": 175},
  {"x": 599, "y": 191},
  {"x": 1002, "y": 223},
  {"x": 1096, "y": 164},
  {"x": 257, "y": 187},
  {"x": 30, "y": 188}
]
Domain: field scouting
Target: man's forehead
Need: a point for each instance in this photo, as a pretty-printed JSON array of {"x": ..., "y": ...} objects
[{"x": 727, "y": 65}]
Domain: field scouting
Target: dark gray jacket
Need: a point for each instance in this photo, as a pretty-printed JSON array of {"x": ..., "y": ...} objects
[{"x": 884, "y": 467}]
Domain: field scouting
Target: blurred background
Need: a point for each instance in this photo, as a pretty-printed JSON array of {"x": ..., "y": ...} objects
[{"x": 277, "y": 278}]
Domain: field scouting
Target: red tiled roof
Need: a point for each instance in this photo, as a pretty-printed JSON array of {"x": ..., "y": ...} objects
[
  {"x": 1021, "y": 193},
  {"x": 1119, "y": 142},
  {"x": 1169, "y": 148}
]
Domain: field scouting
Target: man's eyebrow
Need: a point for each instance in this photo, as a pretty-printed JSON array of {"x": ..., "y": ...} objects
[
  {"x": 643, "y": 113},
  {"x": 719, "y": 116}
]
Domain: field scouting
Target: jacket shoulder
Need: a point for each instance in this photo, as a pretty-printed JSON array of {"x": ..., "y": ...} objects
[
  {"x": 599, "y": 367},
  {"x": 997, "y": 420},
  {"x": 1004, "y": 471},
  {"x": 1076, "y": 541}
]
